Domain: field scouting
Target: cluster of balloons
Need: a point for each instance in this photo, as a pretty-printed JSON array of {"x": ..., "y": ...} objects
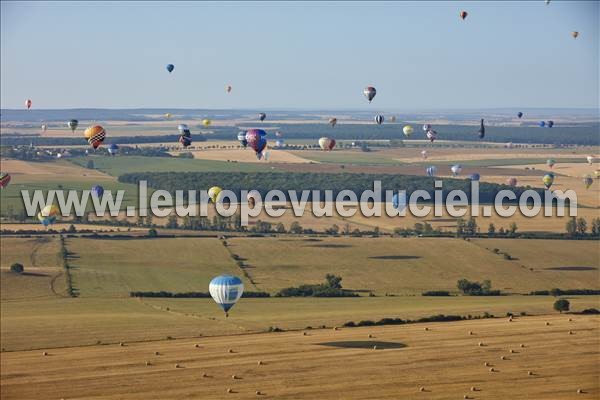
[{"x": 548, "y": 124}]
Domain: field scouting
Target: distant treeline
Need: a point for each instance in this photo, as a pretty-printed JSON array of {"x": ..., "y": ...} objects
[
  {"x": 400, "y": 321},
  {"x": 336, "y": 182},
  {"x": 586, "y": 135},
  {"x": 190, "y": 295},
  {"x": 566, "y": 292}
]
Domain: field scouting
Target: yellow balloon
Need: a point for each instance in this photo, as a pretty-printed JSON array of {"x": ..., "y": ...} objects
[
  {"x": 206, "y": 122},
  {"x": 168, "y": 115},
  {"x": 214, "y": 193},
  {"x": 408, "y": 130},
  {"x": 48, "y": 214}
]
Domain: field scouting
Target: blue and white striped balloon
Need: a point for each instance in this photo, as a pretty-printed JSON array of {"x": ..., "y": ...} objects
[{"x": 226, "y": 290}]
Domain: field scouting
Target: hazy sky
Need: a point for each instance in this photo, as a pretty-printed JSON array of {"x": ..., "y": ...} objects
[{"x": 419, "y": 55}]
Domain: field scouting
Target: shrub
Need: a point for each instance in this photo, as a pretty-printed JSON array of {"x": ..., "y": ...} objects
[
  {"x": 590, "y": 311},
  {"x": 152, "y": 232},
  {"x": 436, "y": 293},
  {"x": 17, "y": 268},
  {"x": 561, "y": 305}
]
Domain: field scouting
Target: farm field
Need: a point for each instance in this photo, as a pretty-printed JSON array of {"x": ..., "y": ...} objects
[{"x": 445, "y": 361}]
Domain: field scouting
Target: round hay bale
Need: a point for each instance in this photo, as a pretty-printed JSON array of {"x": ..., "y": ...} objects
[
  {"x": 579, "y": 391},
  {"x": 470, "y": 333},
  {"x": 426, "y": 328},
  {"x": 492, "y": 370},
  {"x": 473, "y": 389},
  {"x": 258, "y": 393},
  {"x": 465, "y": 396},
  {"x": 502, "y": 357},
  {"x": 421, "y": 389},
  {"x": 530, "y": 373},
  {"x": 570, "y": 332},
  {"x": 259, "y": 362},
  {"x": 547, "y": 323},
  {"x": 570, "y": 319},
  {"x": 121, "y": 344},
  {"x": 148, "y": 363},
  {"x": 197, "y": 346},
  {"x": 229, "y": 390},
  {"x": 370, "y": 336},
  {"x": 487, "y": 364},
  {"x": 45, "y": 353},
  {"x": 233, "y": 377},
  {"x": 156, "y": 353},
  {"x": 205, "y": 375},
  {"x": 521, "y": 345},
  {"x": 304, "y": 333},
  {"x": 480, "y": 344},
  {"x": 512, "y": 351},
  {"x": 375, "y": 347},
  {"x": 335, "y": 328},
  {"x": 176, "y": 365},
  {"x": 230, "y": 350}
]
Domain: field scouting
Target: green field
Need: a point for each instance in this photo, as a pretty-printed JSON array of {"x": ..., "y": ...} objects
[
  {"x": 349, "y": 157},
  {"x": 498, "y": 162},
  {"x": 116, "y": 166},
  {"x": 104, "y": 271}
]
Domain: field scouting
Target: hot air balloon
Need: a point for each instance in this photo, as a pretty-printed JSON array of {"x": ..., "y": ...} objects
[
  {"x": 73, "y": 124},
  {"x": 326, "y": 143},
  {"x": 241, "y": 137},
  {"x": 587, "y": 181},
  {"x": 369, "y": 92},
  {"x": 474, "y": 177},
  {"x": 547, "y": 2},
  {"x": 186, "y": 138},
  {"x": 257, "y": 141},
  {"x": 170, "y": 67},
  {"x": 48, "y": 215},
  {"x": 393, "y": 118},
  {"x": 431, "y": 135},
  {"x": 509, "y": 145},
  {"x": 44, "y": 127},
  {"x": 456, "y": 169},
  {"x": 206, "y": 122},
  {"x": 168, "y": 115},
  {"x": 278, "y": 134},
  {"x": 431, "y": 171},
  {"x": 463, "y": 15},
  {"x": 228, "y": 88},
  {"x": 550, "y": 162},
  {"x": 252, "y": 197},
  {"x": 182, "y": 128},
  {"x": 512, "y": 181},
  {"x": 519, "y": 114},
  {"x": 28, "y": 103},
  {"x": 4, "y": 180},
  {"x": 97, "y": 191},
  {"x": 542, "y": 124},
  {"x": 574, "y": 34},
  {"x": 407, "y": 130},
  {"x": 59, "y": 155},
  {"x": 424, "y": 154},
  {"x": 550, "y": 124},
  {"x": 226, "y": 290},
  {"x": 481, "y": 131},
  {"x": 332, "y": 122},
  {"x": 379, "y": 119},
  {"x": 214, "y": 193},
  {"x": 399, "y": 202},
  {"x": 113, "y": 149},
  {"x": 267, "y": 154},
  {"x": 426, "y": 127},
  {"x": 590, "y": 159},
  {"x": 95, "y": 135},
  {"x": 262, "y": 116},
  {"x": 279, "y": 143},
  {"x": 548, "y": 180}
]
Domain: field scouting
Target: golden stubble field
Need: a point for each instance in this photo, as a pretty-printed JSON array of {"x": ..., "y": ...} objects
[{"x": 546, "y": 357}]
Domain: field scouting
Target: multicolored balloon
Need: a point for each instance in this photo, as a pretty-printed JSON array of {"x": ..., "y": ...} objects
[
  {"x": 393, "y": 118},
  {"x": 332, "y": 122},
  {"x": 575, "y": 34},
  {"x": 257, "y": 141},
  {"x": 95, "y": 135},
  {"x": 407, "y": 130},
  {"x": 327, "y": 143},
  {"x": 226, "y": 290},
  {"x": 474, "y": 177},
  {"x": 28, "y": 103},
  {"x": 44, "y": 127},
  {"x": 550, "y": 162},
  {"x": 214, "y": 193},
  {"x": 379, "y": 119},
  {"x": 369, "y": 92},
  {"x": 73, "y": 124},
  {"x": 48, "y": 215},
  {"x": 463, "y": 15},
  {"x": 431, "y": 135},
  {"x": 4, "y": 180},
  {"x": 588, "y": 181},
  {"x": 590, "y": 159},
  {"x": 424, "y": 154},
  {"x": 431, "y": 170},
  {"x": 262, "y": 116}
]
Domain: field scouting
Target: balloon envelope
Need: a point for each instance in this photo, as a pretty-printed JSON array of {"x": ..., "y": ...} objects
[
  {"x": 97, "y": 191},
  {"x": 95, "y": 135},
  {"x": 379, "y": 119},
  {"x": 226, "y": 290},
  {"x": 73, "y": 124},
  {"x": 206, "y": 122},
  {"x": 369, "y": 92},
  {"x": 456, "y": 169},
  {"x": 257, "y": 141},
  {"x": 474, "y": 177},
  {"x": 326, "y": 143},
  {"x": 548, "y": 180},
  {"x": 519, "y": 114},
  {"x": 170, "y": 68},
  {"x": 431, "y": 171},
  {"x": 48, "y": 214},
  {"x": 28, "y": 103},
  {"x": 113, "y": 149},
  {"x": 4, "y": 180},
  {"x": 407, "y": 130},
  {"x": 262, "y": 116},
  {"x": 214, "y": 193}
]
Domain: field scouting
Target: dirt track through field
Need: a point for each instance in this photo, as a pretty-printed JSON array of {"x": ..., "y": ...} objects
[{"x": 530, "y": 359}]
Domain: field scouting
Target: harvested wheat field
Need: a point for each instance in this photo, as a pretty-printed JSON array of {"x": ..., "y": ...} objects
[{"x": 524, "y": 359}]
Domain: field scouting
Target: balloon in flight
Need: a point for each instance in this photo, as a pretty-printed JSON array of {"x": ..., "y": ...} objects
[
  {"x": 542, "y": 124},
  {"x": 431, "y": 135},
  {"x": 424, "y": 154},
  {"x": 550, "y": 124},
  {"x": 226, "y": 290},
  {"x": 44, "y": 127},
  {"x": 257, "y": 141},
  {"x": 4, "y": 180},
  {"x": 241, "y": 137},
  {"x": 548, "y": 180},
  {"x": 262, "y": 116},
  {"x": 369, "y": 92},
  {"x": 426, "y": 127},
  {"x": 332, "y": 122},
  {"x": 463, "y": 15},
  {"x": 95, "y": 135},
  {"x": 28, "y": 103},
  {"x": 399, "y": 201},
  {"x": 575, "y": 34},
  {"x": 550, "y": 162},
  {"x": 228, "y": 88},
  {"x": 252, "y": 197},
  {"x": 97, "y": 191},
  {"x": 590, "y": 159},
  {"x": 73, "y": 124},
  {"x": 170, "y": 68},
  {"x": 113, "y": 149},
  {"x": 214, "y": 193},
  {"x": 512, "y": 181},
  {"x": 379, "y": 119},
  {"x": 407, "y": 130},
  {"x": 481, "y": 131},
  {"x": 206, "y": 122},
  {"x": 588, "y": 181},
  {"x": 431, "y": 171},
  {"x": 474, "y": 177},
  {"x": 48, "y": 214},
  {"x": 327, "y": 143},
  {"x": 519, "y": 114}
]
